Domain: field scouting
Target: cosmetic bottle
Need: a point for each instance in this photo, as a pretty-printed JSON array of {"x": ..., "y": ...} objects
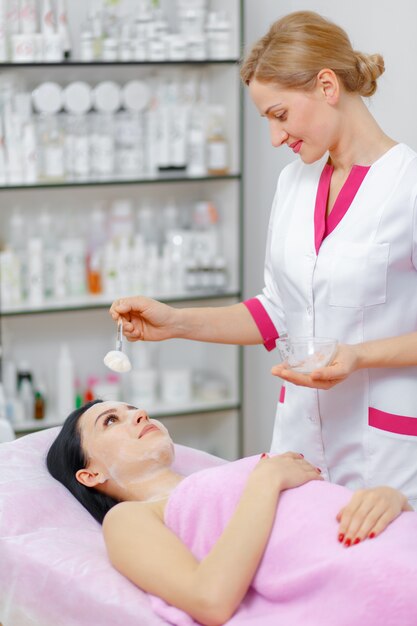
[
  {"x": 197, "y": 161},
  {"x": 108, "y": 388},
  {"x": 17, "y": 235},
  {"x": 123, "y": 267},
  {"x": 138, "y": 264},
  {"x": 218, "y": 35},
  {"x": 12, "y": 17},
  {"x": 144, "y": 376},
  {"x": 29, "y": 140},
  {"x": 52, "y": 149},
  {"x": 110, "y": 269},
  {"x": 48, "y": 236},
  {"x": 27, "y": 398},
  {"x": 52, "y": 47},
  {"x": 28, "y": 22},
  {"x": 217, "y": 148},
  {"x": 39, "y": 405},
  {"x": 3, "y": 32},
  {"x": 35, "y": 271},
  {"x": 3, "y": 168},
  {"x": 75, "y": 265},
  {"x": 95, "y": 250},
  {"x": 6, "y": 430},
  {"x": 60, "y": 289},
  {"x": 176, "y": 386},
  {"x": 48, "y": 22},
  {"x": 63, "y": 31},
  {"x": 14, "y": 407},
  {"x": 65, "y": 398},
  {"x": 10, "y": 283},
  {"x": 89, "y": 393},
  {"x": 77, "y": 99},
  {"x": 140, "y": 32},
  {"x": 13, "y": 143}
]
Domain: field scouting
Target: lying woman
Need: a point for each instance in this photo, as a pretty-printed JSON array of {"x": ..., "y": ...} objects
[{"x": 254, "y": 541}]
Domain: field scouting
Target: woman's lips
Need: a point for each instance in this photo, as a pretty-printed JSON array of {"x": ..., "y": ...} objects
[
  {"x": 296, "y": 146},
  {"x": 148, "y": 429}
]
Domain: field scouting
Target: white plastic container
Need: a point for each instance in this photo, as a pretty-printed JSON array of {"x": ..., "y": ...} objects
[
  {"x": 35, "y": 271},
  {"x": 143, "y": 378},
  {"x": 176, "y": 386},
  {"x": 65, "y": 383}
]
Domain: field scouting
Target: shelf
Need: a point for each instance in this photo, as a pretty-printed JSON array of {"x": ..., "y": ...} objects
[
  {"x": 103, "y": 302},
  {"x": 166, "y": 177},
  {"x": 98, "y": 63},
  {"x": 156, "y": 411}
]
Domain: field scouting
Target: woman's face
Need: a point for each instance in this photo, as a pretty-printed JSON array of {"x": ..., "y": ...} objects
[
  {"x": 122, "y": 444},
  {"x": 304, "y": 121}
]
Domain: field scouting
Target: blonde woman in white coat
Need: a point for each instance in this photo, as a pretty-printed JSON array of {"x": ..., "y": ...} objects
[{"x": 341, "y": 261}]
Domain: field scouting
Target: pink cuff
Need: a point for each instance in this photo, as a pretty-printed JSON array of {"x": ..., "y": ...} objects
[{"x": 263, "y": 321}]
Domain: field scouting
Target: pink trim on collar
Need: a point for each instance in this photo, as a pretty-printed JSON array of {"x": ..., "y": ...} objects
[
  {"x": 263, "y": 321},
  {"x": 324, "y": 226}
]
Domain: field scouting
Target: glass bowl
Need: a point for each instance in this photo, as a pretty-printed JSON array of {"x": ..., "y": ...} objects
[{"x": 306, "y": 354}]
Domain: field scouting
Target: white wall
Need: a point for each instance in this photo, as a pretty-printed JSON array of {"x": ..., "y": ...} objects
[{"x": 373, "y": 26}]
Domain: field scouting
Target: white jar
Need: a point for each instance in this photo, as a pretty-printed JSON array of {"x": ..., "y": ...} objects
[
  {"x": 177, "y": 48},
  {"x": 23, "y": 48},
  {"x": 176, "y": 386}
]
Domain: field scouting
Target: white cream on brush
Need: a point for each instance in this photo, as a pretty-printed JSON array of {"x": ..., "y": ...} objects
[{"x": 116, "y": 360}]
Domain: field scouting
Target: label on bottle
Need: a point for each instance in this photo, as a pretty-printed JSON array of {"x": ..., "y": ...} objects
[
  {"x": 216, "y": 155},
  {"x": 54, "y": 162}
]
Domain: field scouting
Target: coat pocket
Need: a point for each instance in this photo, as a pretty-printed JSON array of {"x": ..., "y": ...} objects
[{"x": 358, "y": 274}]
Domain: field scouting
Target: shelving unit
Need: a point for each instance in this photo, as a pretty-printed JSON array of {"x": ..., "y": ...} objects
[{"x": 34, "y": 332}]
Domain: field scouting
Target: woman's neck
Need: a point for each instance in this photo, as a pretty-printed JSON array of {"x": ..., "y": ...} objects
[
  {"x": 360, "y": 140},
  {"x": 155, "y": 486}
]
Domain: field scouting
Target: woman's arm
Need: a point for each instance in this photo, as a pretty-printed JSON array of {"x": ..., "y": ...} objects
[
  {"x": 149, "y": 320},
  {"x": 142, "y": 548},
  {"x": 398, "y": 351}
]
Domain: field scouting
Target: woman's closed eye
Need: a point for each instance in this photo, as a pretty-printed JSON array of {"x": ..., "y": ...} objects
[
  {"x": 108, "y": 419},
  {"x": 282, "y": 117}
]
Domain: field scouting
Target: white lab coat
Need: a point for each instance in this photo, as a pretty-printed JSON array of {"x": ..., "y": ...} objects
[{"x": 361, "y": 285}]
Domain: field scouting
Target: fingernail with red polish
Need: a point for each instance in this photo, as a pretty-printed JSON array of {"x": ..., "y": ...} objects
[
  {"x": 318, "y": 469},
  {"x": 347, "y": 542},
  {"x": 372, "y": 535},
  {"x": 341, "y": 537},
  {"x": 357, "y": 540},
  {"x": 301, "y": 455},
  {"x": 264, "y": 455}
]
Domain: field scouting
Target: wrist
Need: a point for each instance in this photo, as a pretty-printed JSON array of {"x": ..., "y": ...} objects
[
  {"x": 182, "y": 323},
  {"x": 360, "y": 354}
]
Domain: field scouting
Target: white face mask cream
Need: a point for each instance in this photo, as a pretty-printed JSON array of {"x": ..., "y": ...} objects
[{"x": 117, "y": 361}]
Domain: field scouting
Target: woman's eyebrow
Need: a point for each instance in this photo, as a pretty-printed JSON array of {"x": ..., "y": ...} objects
[
  {"x": 272, "y": 107},
  {"x": 105, "y": 413}
]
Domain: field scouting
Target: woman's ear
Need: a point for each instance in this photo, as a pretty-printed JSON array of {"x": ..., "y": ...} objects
[
  {"x": 88, "y": 478},
  {"x": 329, "y": 86}
]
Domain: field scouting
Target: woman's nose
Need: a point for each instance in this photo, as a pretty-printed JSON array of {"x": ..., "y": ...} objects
[
  {"x": 278, "y": 135},
  {"x": 140, "y": 416}
]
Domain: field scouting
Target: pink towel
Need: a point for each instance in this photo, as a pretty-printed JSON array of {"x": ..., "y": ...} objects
[{"x": 306, "y": 577}]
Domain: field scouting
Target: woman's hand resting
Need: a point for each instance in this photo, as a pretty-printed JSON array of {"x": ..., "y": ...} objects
[
  {"x": 369, "y": 512},
  {"x": 344, "y": 363},
  {"x": 145, "y": 319},
  {"x": 285, "y": 471}
]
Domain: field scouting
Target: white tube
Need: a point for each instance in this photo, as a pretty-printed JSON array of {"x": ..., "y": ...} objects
[
  {"x": 47, "y": 18},
  {"x": 3, "y": 34},
  {"x": 28, "y": 17},
  {"x": 63, "y": 32}
]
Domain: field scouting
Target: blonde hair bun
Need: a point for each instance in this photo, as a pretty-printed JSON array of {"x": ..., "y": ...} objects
[
  {"x": 299, "y": 45},
  {"x": 370, "y": 68}
]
